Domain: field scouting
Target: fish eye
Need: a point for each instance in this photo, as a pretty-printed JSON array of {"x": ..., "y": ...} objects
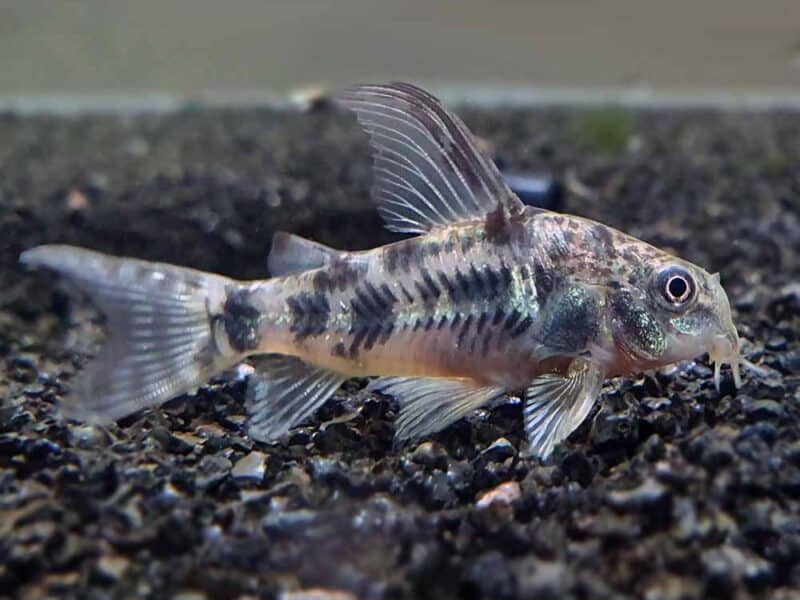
[{"x": 676, "y": 286}]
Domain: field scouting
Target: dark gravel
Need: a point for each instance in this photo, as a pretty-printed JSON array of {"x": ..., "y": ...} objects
[{"x": 669, "y": 491}]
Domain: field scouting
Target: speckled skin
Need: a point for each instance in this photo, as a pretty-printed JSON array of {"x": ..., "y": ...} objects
[{"x": 499, "y": 301}]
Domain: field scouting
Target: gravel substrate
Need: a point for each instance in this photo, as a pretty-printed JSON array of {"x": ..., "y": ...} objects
[{"x": 669, "y": 491}]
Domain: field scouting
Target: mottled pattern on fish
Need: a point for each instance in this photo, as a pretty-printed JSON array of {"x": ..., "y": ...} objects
[
  {"x": 453, "y": 303},
  {"x": 490, "y": 297}
]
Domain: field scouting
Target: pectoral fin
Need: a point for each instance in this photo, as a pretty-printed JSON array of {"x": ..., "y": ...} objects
[
  {"x": 428, "y": 405},
  {"x": 555, "y": 405},
  {"x": 283, "y": 392}
]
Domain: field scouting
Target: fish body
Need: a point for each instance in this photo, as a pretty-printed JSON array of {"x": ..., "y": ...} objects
[
  {"x": 458, "y": 302},
  {"x": 490, "y": 297}
]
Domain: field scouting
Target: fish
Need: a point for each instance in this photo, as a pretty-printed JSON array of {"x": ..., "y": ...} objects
[{"x": 486, "y": 297}]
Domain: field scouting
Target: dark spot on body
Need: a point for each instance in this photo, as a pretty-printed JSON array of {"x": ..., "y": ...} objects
[
  {"x": 603, "y": 236},
  {"x": 482, "y": 319},
  {"x": 505, "y": 275},
  {"x": 373, "y": 316},
  {"x": 570, "y": 320},
  {"x": 492, "y": 281},
  {"x": 543, "y": 281},
  {"x": 310, "y": 312},
  {"x": 448, "y": 285},
  {"x": 241, "y": 320},
  {"x": 390, "y": 259},
  {"x": 404, "y": 255},
  {"x": 429, "y": 292},
  {"x": 431, "y": 249},
  {"x": 487, "y": 340},
  {"x": 499, "y": 315},
  {"x": 388, "y": 294},
  {"x": 511, "y": 319},
  {"x": 372, "y": 337},
  {"x": 478, "y": 283},
  {"x": 497, "y": 226},
  {"x": 467, "y": 243},
  {"x": 635, "y": 327},
  {"x": 522, "y": 326},
  {"x": 387, "y": 331},
  {"x": 340, "y": 275},
  {"x": 466, "y": 286},
  {"x": 406, "y": 294},
  {"x": 339, "y": 350},
  {"x": 355, "y": 345},
  {"x": 464, "y": 330}
]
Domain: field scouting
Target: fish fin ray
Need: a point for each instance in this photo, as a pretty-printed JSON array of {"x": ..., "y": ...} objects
[
  {"x": 556, "y": 405},
  {"x": 428, "y": 405},
  {"x": 284, "y": 391},
  {"x": 160, "y": 339},
  {"x": 291, "y": 253},
  {"x": 428, "y": 172}
]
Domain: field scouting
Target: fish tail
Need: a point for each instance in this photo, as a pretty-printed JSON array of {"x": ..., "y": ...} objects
[{"x": 166, "y": 329}]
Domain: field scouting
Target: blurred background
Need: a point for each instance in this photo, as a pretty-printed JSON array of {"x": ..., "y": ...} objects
[{"x": 194, "y": 48}]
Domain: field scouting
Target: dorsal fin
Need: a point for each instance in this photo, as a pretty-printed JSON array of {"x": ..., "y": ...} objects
[
  {"x": 294, "y": 254},
  {"x": 427, "y": 170}
]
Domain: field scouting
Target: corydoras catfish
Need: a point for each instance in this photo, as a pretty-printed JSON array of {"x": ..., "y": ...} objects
[{"x": 490, "y": 297}]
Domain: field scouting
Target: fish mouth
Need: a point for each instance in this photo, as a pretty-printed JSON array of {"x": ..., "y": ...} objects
[{"x": 725, "y": 349}]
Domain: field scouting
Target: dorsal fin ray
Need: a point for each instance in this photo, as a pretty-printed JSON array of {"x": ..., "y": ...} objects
[{"x": 427, "y": 169}]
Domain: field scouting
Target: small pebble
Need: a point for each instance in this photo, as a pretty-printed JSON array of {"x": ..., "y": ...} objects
[
  {"x": 211, "y": 470},
  {"x": 506, "y": 493},
  {"x": 701, "y": 371},
  {"x": 289, "y": 522},
  {"x": 112, "y": 567},
  {"x": 776, "y": 343},
  {"x": 654, "y": 403},
  {"x": 648, "y": 494},
  {"x": 189, "y": 595},
  {"x": 790, "y": 362},
  {"x": 76, "y": 201},
  {"x": 499, "y": 450},
  {"x": 171, "y": 443},
  {"x": 317, "y": 594},
  {"x": 252, "y": 466},
  {"x": 763, "y": 410},
  {"x": 430, "y": 454}
]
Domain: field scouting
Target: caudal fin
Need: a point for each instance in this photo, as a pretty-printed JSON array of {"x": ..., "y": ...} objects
[{"x": 161, "y": 339}]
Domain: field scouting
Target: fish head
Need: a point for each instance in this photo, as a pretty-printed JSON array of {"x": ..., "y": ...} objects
[{"x": 676, "y": 311}]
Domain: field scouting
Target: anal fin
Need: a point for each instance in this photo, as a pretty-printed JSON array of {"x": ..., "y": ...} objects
[
  {"x": 556, "y": 405},
  {"x": 284, "y": 391},
  {"x": 428, "y": 405}
]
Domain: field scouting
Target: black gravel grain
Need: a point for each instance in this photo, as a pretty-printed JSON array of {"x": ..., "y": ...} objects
[{"x": 669, "y": 491}]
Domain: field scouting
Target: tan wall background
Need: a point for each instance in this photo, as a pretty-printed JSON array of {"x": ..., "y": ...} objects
[{"x": 193, "y": 46}]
